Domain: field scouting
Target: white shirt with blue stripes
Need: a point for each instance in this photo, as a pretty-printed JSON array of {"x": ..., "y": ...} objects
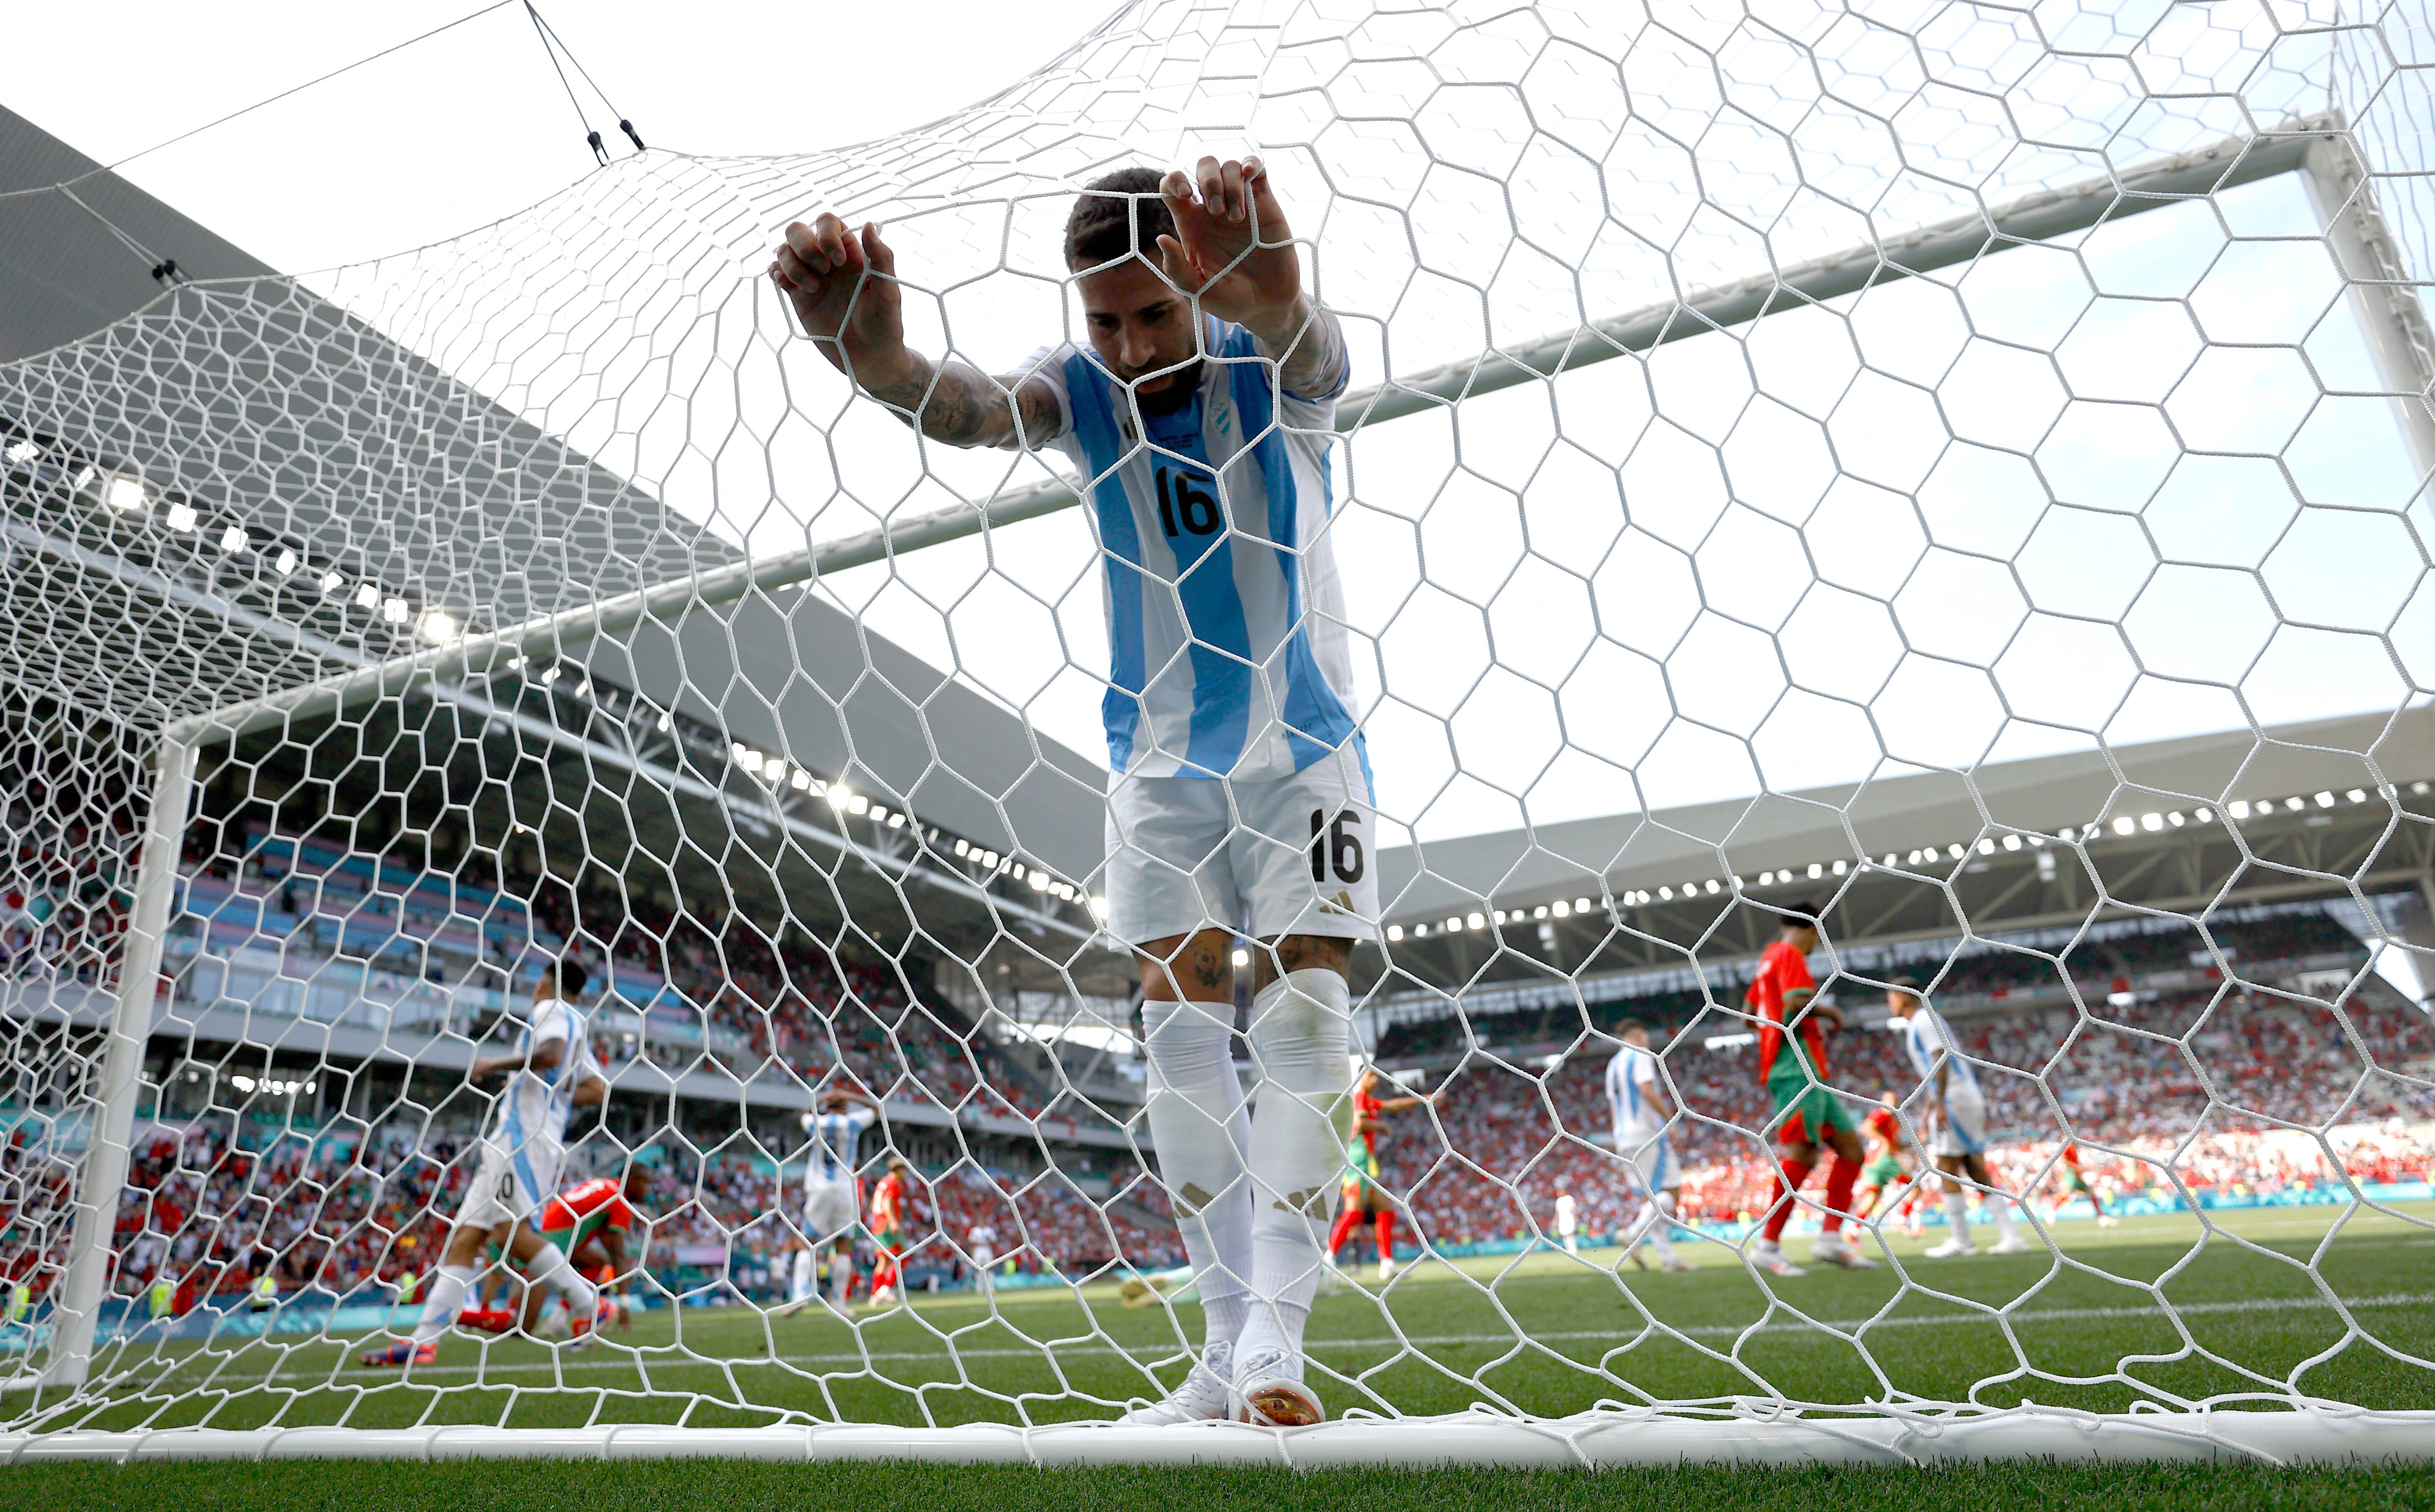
[
  {"x": 837, "y": 1144},
  {"x": 1927, "y": 1038},
  {"x": 1630, "y": 1077},
  {"x": 1226, "y": 631},
  {"x": 536, "y": 1105}
]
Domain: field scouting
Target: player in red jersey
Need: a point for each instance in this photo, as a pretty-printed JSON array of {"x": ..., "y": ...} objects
[
  {"x": 591, "y": 1223},
  {"x": 1885, "y": 1168},
  {"x": 888, "y": 1201},
  {"x": 1792, "y": 1065},
  {"x": 2075, "y": 1179},
  {"x": 1363, "y": 1196}
]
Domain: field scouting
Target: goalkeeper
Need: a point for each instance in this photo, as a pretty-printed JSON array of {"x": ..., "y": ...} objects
[{"x": 1202, "y": 408}]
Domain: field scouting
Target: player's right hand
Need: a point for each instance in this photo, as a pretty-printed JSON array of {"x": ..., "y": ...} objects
[{"x": 842, "y": 283}]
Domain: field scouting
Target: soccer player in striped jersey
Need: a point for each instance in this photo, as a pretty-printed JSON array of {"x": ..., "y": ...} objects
[
  {"x": 1958, "y": 1114},
  {"x": 832, "y": 1193},
  {"x": 1644, "y": 1136},
  {"x": 518, "y": 1171},
  {"x": 1200, "y": 413},
  {"x": 1792, "y": 1065}
]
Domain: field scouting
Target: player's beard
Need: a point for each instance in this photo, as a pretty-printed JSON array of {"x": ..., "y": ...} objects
[{"x": 1181, "y": 386}]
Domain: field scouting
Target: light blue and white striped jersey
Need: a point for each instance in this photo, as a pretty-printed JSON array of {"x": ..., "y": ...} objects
[
  {"x": 1630, "y": 1077},
  {"x": 536, "y": 1103},
  {"x": 1927, "y": 1035},
  {"x": 837, "y": 1142},
  {"x": 1226, "y": 635}
]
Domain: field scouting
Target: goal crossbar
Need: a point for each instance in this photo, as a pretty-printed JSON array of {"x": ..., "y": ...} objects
[{"x": 2039, "y": 217}]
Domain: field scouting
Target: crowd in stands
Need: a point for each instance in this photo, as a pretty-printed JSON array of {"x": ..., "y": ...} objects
[
  {"x": 2143, "y": 1070},
  {"x": 348, "y": 1213},
  {"x": 681, "y": 991}
]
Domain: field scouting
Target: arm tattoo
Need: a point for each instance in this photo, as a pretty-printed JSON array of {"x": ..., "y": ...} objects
[
  {"x": 1311, "y": 360},
  {"x": 958, "y": 405}
]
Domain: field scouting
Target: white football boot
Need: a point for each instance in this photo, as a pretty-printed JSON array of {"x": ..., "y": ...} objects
[{"x": 1204, "y": 1394}]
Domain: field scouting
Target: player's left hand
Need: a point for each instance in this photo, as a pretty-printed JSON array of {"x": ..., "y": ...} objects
[{"x": 1231, "y": 245}]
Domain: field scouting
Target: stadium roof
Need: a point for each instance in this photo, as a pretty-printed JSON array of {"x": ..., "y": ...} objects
[
  {"x": 2180, "y": 825},
  {"x": 231, "y": 486}
]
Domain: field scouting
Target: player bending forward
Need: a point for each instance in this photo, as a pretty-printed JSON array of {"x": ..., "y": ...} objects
[
  {"x": 589, "y": 1224},
  {"x": 518, "y": 1172},
  {"x": 1958, "y": 1114},
  {"x": 1644, "y": 1136},
  {"x": 1362, "y": 1194},
  {"x": 1885, "y": 1168},
  {"x": 832, "y": 1195},
  {"x": 1792, "y": 1065},
  {"x": 1203, "y": 410}
]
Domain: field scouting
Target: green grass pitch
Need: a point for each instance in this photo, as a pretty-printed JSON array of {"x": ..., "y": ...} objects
[{"x": 1546, "y": 1334}]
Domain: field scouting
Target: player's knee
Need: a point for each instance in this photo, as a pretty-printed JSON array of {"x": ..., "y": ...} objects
[{"x": 1288, "y": 954}]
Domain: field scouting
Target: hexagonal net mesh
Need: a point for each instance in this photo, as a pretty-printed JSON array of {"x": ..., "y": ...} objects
[{"x": 640, "y": 786}]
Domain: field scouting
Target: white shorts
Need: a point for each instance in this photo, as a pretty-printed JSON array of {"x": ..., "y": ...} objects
[
  {"x": 1290, "y": 855},
  {"x": 829, "y": 1208},
  {"x": 1650, "y": 1154},
  {"x": 1963, "y": 1130},
  {"x": 511, "y": 1184}
]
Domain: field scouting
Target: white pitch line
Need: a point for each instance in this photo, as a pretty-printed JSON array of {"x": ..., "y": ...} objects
[{"x": 1620, "y": 1337}]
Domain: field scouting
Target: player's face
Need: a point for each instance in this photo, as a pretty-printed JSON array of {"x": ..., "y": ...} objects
[
  {"x": 1900, "y": 1004},
  {"x": 546, "y": 988},
  {"x": 1138, "y": 324}
]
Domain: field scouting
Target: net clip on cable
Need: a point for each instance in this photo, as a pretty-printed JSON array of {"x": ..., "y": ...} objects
[
  {"x": 598, "y": 150},
  {"x": 632, "y": 135}
]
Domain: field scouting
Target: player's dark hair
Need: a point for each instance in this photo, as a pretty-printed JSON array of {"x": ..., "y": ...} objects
[
  {"x": 1799, "y": 916},
  {"x": 571, "y": 977},
  {"x": 1909, "y": 984},
  {"x": 1627, "y": 1025},
  {"x": 1118, "y": 213}
]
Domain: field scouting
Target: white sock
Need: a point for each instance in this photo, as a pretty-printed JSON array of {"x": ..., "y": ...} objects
[
  {"x": 447, "y": 1297},
  {"x": 1999, "y": 1209},
  {"x": 1957, "y": 1214},
  {"x": 1300, "y": 1026},
  {"x": 807, "y": 1273},
  {"x": 550, "y": 1268},
  {"x": 1197, "y": 1121},
  {"x": 1661, "y": 1207}
]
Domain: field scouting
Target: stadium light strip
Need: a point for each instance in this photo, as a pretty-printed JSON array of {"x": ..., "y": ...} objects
[{"x": 2316, "y": 142}]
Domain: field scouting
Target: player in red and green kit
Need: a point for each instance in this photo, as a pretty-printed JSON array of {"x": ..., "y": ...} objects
[
  {"x": 2075, "y": 1181},
  {"x": 1363, "y": 1196},
  {"x": 591, "y": 1223},
  {"x": 888, "y": 1201},
  {"x": 1885, "y": 1168},
  {"x": 1810, "y": 1118}
]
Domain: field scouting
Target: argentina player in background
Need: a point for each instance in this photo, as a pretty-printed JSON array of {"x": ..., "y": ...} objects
[{"x": 1200, "y": 414}]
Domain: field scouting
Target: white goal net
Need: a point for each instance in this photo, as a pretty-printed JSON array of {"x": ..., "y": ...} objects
[{"x": 1772, "y": 751}]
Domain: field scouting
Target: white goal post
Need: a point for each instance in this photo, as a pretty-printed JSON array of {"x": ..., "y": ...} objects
[{"x": 2383, "y": 294}]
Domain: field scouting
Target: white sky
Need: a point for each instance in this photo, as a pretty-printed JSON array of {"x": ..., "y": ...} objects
[{"x": 1700, "y": 525}]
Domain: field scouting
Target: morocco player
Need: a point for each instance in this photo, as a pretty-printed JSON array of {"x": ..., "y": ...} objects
[
  {"x": 1644, "y": 1115},
  {"x": 889, "y": 1201},
  {"x": 1203, "y": 409},
  {"x": 1362, "y": 1194},
  {"x": 2075, "y": 1183},
  {"x": 1959, "y": 1115},
  {"x": 1885, "y": 1168},
  {"x": 590, "y": 1223},
  {"x": 1792, "y": 1065},
  {"x": 518, "y": 1172},
  {"x": 832, "y": 1195}
]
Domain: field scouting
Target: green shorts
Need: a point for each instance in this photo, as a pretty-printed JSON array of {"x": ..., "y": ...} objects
[
  {"x": 1810, "y": 1112},
  {"x": 2073, "y": 1180},
  {"x": 1882, "y": 1172},
  {"x": 1360, "y": 1173}
]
